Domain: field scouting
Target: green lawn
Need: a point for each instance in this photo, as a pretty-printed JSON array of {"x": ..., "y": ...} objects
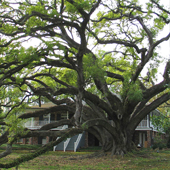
[
  {"x": 142, "y": 160},
  {"x": 21, "y": 147}
]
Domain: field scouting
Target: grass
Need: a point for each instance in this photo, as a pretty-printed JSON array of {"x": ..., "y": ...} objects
[
  {"x": 21, "y": 147},
  {"x": 142, "y": 160}
]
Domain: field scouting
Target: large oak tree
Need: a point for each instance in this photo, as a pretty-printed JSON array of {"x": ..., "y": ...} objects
[{"x": 95, "y": 59}]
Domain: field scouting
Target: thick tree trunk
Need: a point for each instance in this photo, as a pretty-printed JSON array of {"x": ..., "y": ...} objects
[
  {"x": 114, "y": 137},
  {"x": 120, "y": 145}
]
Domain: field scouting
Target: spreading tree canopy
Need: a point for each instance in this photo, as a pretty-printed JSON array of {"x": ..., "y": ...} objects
[{"x": 95, "y": 59}]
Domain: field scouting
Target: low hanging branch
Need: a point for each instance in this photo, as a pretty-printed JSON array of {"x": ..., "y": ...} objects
[
  {"x": 7, "y": 151},
  {"x": 42, "y": 150}
]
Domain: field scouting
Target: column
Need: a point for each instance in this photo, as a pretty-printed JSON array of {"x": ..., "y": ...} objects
[
  {"x": 149, "y": 138},
  {"x": 32, "y": 122},
  {"x": 148, "y": 117}
]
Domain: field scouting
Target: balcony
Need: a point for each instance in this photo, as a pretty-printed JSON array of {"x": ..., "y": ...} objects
[
  {"x": 144, "y": 124},
  {"x": 33, "y": 124},
  {"x": 38, "y": 124}
]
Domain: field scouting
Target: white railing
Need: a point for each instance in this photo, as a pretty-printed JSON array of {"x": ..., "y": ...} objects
[
  {"x": 63, "y": 127},
  {"x": 66, "y": 143},
  {"x": 77, "y": 141},
  {"x": 146, "y": 124},
  {"x": 142, "y": 124},
  {"x": 37, "y": 124},
  {"x": 54, "y": 147}
]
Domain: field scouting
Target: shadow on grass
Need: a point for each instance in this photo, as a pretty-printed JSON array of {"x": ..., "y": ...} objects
[{"x": 21, "y": 147}]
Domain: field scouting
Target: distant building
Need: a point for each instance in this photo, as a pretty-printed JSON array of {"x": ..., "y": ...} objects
[{"x": 143, "y": 136}]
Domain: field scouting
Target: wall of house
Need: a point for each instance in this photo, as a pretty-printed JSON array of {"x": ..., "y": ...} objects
[
  {"x": 141, "y": 137},
  {"x": 92, "y": 140},
  {"x": 34, "y": 140},
  {"x": 149, "y": 138},
  {"x": 138, "y": 138}
]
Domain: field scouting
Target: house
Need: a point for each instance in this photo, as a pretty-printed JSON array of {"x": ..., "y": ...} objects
[
  {"x": 144, "y": 133},
  {"x": 35, "y": 123}
]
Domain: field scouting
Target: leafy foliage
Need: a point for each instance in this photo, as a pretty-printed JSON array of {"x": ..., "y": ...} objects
[
  {"x": 97, "y": 60},
  {"x": 162, "y": 122},
  {"x": 15, "y": 127},
  {"x": 159, "y": 143}
]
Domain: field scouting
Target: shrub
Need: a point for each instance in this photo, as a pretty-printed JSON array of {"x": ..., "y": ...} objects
[
  {"x": 168, "y": 143},
  {"x": 159, "y": 143}
]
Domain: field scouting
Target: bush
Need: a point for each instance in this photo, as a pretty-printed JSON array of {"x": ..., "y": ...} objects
[
  {"x": 159, "y": 143},
  {"x": 168, "y": 143}
]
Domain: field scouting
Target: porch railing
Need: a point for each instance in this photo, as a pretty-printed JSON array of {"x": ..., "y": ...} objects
[
  {"x": 142, "y": 124},
  {"x": 38, "y": 124},
  {"x": 63, "y": 127},
  {"x": 77, "y": 141},
  {"x": 66, "y": 143}
]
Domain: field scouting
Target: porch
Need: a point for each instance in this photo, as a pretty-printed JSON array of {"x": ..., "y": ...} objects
[{"x": 37, "y": 124}]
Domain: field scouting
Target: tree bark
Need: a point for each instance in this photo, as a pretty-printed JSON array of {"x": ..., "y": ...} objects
[{"x": 117, "y": 140}]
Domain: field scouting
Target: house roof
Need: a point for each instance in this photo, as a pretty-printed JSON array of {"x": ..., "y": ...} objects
[{"x": 43, "y": 106}]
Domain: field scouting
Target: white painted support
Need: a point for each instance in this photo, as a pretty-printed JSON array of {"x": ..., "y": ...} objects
[
  {"x": 63, "y": 127},
  {"x": 54, "y": 148},
  {"x": 67, "y": 115},
  {"x": 148, "y": 120},
  {"x": 140, "y": 138},
  {"x": 49, "y": 117},
  {"x": 143, "y": 139},
  {"x": 32, "y": 122},
  {"x": 77, "y": 141},
  {"x": 66, "y": 143}
]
